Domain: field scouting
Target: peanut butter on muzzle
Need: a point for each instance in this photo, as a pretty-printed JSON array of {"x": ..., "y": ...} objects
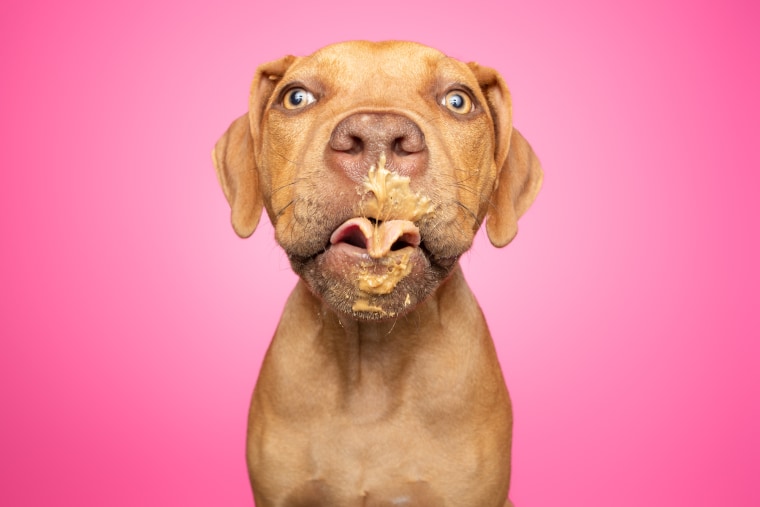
[
  {"x": 393, "y": 206},
  {"x": 388, "y": 196}
]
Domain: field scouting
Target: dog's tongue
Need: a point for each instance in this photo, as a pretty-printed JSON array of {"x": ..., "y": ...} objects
[{"x": 377, "y": 238}]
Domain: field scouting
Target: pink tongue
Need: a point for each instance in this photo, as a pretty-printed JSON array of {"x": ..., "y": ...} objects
[{"x": 377, "y": 238}]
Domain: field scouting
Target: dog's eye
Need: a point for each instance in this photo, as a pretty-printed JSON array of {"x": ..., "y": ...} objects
[
  {"x": 457, "y": 101},
  {"x": 298, "y": 98}
]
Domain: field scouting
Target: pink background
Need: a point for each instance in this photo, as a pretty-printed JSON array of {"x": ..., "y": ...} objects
[{"x": 133, "y": 320}]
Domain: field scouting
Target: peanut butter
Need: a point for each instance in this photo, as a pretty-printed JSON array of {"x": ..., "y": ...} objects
[
  {"x": 384, "y": 283},
  {"x": 362, "y": 305},
  {"x": 388, "y": 196}
]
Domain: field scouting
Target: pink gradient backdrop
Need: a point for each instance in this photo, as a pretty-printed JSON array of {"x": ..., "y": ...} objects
[{"x": 625, "y": 313}]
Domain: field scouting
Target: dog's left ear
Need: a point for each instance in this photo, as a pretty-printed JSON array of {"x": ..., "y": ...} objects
[
  {"x": 516, "y": 188},
  {"x": 519, "y": 170}
]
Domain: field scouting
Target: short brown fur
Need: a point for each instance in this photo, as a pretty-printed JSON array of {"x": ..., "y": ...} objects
[{"x": 404, "y": 405}]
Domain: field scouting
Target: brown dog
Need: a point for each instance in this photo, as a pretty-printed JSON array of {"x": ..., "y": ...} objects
[{"x": 377, "y": 163}]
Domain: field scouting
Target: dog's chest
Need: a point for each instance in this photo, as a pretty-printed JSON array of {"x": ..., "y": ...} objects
[
  {"x": 391, "y": 463},
  {"x": 318, "y": 493}
]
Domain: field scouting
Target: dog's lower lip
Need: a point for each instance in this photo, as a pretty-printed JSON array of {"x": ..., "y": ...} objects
[
  {"x": 362, "y": 253},
  {"x": 360, "y": 246}
]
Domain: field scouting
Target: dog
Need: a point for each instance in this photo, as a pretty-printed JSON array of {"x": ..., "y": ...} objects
[{"x": 377, "y": 163}]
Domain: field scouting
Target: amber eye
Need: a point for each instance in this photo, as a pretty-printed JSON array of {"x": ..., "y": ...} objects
[
  {"x": 458, "y": 102},
  {"x": 298, "y": 98}
]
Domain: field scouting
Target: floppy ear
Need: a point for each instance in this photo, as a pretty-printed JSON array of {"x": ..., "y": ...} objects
[
  {"x": 516, "y": 188},
  {"x": 234, "y": 155},
  {"x": 236, "y": 170},
  {"x": 519, "y": 171}
]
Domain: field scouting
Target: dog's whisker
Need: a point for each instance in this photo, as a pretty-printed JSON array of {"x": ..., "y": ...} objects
[
  {"x": 390, "y": 331},
  {"x": 466, "y": 188},
  {"x": 469, "y": 212},
  {"x": 429, "y": 120},
  {"x": 282, "y": 210},
  {"x": 276, "y": 152},
  {"x": 286, "y": 185}
]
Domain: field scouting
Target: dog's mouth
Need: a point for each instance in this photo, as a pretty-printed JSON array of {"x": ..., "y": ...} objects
[
  {"x": 377, "y": 255},
  {"x": 377, "y": 239},
  {"x": 370, "y": 269}
]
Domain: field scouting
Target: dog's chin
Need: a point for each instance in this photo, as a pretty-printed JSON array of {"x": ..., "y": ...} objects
[{"x": 370, "y": 287}]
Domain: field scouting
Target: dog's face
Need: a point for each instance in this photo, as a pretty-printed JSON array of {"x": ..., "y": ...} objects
[{"x": 377, "y": 163}]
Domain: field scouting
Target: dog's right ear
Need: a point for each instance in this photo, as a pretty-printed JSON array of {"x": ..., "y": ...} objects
[
  {"x": 234, "y": 155},
  {"x": 236, "y": 170}
]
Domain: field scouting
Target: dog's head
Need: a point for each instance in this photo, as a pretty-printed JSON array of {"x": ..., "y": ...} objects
[{"x": 377, "y": 163}]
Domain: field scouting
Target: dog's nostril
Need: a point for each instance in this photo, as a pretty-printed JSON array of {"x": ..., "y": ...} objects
[
  {"x": 398, "y": 149},
  {"x": 408, "y": 144},
  {"x": 345, "y": 141},
  {"x": 357, "y": 146}
]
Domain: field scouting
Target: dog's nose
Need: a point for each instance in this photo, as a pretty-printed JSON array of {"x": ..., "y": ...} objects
[{"x": 358, "y": 141}]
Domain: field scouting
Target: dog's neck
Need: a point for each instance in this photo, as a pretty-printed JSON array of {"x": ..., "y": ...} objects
[{"x": 369, "y": 361}]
